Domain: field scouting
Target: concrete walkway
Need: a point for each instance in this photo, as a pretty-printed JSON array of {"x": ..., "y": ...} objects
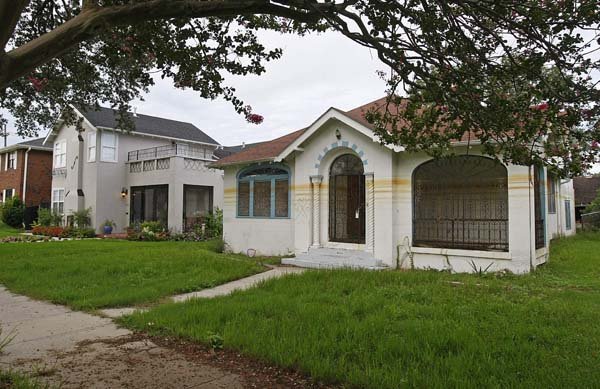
[
  {"x": 84, "y": 350},
  {"x": 221, "y": 290}
]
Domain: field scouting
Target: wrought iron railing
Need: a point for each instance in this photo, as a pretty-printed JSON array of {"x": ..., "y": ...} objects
[
  {"x": 172, "y": 150},
  {"x": 468, "y": 234}
]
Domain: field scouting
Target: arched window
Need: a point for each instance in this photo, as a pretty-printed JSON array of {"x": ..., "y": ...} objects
[
  {"x": 462, "y": 203},
  {"x": 263, "y": 191}
]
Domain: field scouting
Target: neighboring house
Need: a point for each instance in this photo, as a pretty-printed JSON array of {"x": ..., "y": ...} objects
[
  {"x": 334, "y": 196},
  {"x": 586, "y": 190},
  {"x": 155, "y": 172},
  {"x": 26, "y": 172}
]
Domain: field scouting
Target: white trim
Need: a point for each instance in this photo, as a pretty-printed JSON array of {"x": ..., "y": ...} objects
[
  {"x": 332, "y": 113},
  {"x": 25, "y": 175},
  {"x": 63, "y": 152},
  {"x": 53, "y": 199},
  {"x": 92, "y": 157}
]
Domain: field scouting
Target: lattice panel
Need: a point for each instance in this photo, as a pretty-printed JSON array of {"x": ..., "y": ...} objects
[
  {"x": 163, "y": 164},
  {"x": 135, "y": 167}
]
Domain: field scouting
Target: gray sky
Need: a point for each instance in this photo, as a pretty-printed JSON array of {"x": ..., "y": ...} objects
[{"x": 315, "y": 73}]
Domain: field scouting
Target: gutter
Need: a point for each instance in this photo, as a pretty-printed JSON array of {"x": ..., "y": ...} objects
[
  {"x": 227, "y": 164},
  {"x": 25, "y": 174}
]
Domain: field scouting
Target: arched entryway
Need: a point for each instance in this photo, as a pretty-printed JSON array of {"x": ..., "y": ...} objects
[{"x": 347, "y": 200}]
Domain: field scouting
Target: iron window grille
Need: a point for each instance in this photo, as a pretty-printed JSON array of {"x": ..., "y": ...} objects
[
  {"x": 263, "y": 192},
  {"x": 461, "y": 202}
]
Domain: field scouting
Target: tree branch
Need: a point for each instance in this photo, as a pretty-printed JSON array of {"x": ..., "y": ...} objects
[
  {"x": 10, "y": 12},
  {"x": 93, "y": 20}
]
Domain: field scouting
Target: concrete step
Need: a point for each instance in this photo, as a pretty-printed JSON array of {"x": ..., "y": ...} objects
[{"x": 333, "y": 258}]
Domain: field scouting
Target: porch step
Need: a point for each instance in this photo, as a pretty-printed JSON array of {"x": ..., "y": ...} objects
[{"x": 333, "y": 258}]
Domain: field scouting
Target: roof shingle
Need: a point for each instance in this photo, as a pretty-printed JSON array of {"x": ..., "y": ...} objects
[{"x": 149, "y": 125}]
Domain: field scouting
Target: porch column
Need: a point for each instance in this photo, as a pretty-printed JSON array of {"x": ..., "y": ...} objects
[
  {"x": 316, "y": 210},
  {"x": 370, "y": 212}
]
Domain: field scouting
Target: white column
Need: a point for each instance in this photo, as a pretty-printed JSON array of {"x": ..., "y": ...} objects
[
  {"x": 316, "y": 210},
  {"x": 370, "y": 212}
]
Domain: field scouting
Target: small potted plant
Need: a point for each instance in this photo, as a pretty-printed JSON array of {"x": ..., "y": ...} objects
[{"x": 108, "y": 226}]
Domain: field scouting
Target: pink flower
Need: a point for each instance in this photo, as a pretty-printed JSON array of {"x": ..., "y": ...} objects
[
  {"x": 38, "y": 84},
  {"x": 541, "y": 107},
  {"x": 254, "y": 118}
]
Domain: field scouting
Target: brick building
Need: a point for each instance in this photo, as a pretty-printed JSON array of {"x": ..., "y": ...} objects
[{"x": 26, "y": 171}]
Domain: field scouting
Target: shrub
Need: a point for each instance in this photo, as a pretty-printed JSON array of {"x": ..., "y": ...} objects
[
  {"x": 219, "y": 245},
  {"x": 12, "y": 212},
  {"x": 72, "y": 232},
  {"x": 53, "y": 231},
  {"x": 45, "y": 217},
  {"x": 151, "y": 226},
  {"x": 82, "y": 218},
  {"x": 214, "y": 223}
]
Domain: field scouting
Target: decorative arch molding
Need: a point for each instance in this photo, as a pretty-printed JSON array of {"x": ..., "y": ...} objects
[{"x": 342, "y": 144}]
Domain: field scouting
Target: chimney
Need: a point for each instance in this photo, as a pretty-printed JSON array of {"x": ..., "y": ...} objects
[
  {"x": 243, "y": 145},
  {"x": 135, "y": 112}
]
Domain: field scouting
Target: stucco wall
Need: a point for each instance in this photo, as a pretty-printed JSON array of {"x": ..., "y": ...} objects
[
  {"x": 266, "y": 236},
  {"x": 102, "y": 181}
]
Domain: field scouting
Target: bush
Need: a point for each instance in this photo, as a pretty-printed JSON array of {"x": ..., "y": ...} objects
[
  {"x": 12, "y": 212},
  {"x": 53, "y": 231},
  {"x": 82, "y": 218},
  {"x": 72, "y": 232},
  {"x": 214, "y": 223},
  {"x": 45, "y": 217}
]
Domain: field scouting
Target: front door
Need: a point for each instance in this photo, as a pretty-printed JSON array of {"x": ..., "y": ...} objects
[{"x": 347, "y": 201}]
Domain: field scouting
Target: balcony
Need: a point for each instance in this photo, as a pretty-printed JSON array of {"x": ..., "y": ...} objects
[
  {"x": 168, "y": 151},
  {"x": 59, "y": 172},
  {"x": 161, "y": 158}
]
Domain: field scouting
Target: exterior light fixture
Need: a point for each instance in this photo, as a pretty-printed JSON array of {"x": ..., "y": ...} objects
[
  {"x": 123, "y": 193},
  {"x": 338, "y": 134}
]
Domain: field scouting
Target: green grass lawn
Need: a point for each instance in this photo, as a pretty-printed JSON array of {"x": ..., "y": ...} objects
[
  {"x": 92, "y": 274},
  {"x": 414, "y": 329},
  {"x": 7, "y": 230}
]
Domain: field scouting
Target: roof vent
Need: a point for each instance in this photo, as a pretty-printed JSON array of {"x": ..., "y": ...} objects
[
  {"x": 135, "y": 112},
  {"x": 243, "y": 145}
]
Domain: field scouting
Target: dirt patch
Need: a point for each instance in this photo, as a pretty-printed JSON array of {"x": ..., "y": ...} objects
[{"x": 140, "y": 361}]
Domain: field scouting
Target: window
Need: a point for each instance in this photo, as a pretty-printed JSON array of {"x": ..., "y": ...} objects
[
  {"x": 263, "y": 192},
  {"x": 60, "y": 154},
  {"x": 461, "y": 203},
  {"x": 568, "y": 214},
  {"x": 58, "y": 201},
  {"x": 11, "y": 162},
  {"x": 150, "y": 203},
  {"x": 91, "y": 148},
  {"x": 7, "y": 194},
  {"x": 197, "y": 204},
  {"x": 109, "y": 147},
  {"x": 551, "y": 194}
]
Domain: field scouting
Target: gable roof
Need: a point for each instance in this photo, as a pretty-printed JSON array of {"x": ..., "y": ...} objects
[
  {"x": 225, "y": 151},
  {"x": 35, "y": 144},
  {"x": 277, "y": 149},
  {"x": 149, "y": 125},
  {"x": 586, "y": 189}
]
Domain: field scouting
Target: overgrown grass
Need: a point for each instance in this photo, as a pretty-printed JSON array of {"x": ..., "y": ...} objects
[
  {"x": 92, "y": 274},
  {"x": 414, "y": 329},
  {"x": 15, "y": 380},
  {"x": 7, "y": 230}
]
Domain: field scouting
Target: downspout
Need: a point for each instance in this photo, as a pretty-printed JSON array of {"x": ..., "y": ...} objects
[{"x": 25, "y": 174}]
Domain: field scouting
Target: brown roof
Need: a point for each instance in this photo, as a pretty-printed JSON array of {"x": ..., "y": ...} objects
[
  {"x": 268, "y": 150},
  {"x": 586, "y": 189},
  {"x": 262, "y": 151}
]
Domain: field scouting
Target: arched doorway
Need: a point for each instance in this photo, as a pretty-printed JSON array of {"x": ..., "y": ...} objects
[{"x": 347, "y": 200}]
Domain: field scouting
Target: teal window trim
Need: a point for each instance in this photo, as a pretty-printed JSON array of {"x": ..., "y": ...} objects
[{"x": 262, "y": 178}]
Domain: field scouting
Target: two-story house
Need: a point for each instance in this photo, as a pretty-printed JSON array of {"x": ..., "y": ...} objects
[
  {"x": 154, "y": 172},
  {"x": 25, "y": 171}
]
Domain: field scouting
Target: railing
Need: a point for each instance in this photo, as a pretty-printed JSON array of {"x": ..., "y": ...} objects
[
  {"x": 590, "y": 221},
  {"x": 61, "y": 171},
  {"x": 467, "y": 234},
  {"x": 172, "y": 150}
]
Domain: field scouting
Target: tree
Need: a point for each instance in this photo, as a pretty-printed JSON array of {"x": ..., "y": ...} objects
[{"x": 515, "y": 75}]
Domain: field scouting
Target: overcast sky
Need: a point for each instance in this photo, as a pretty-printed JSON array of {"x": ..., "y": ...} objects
[{"x": 315, "y": 73}]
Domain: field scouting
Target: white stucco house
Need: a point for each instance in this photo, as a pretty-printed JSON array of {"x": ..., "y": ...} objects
[
  {"x": 157, "y": 172},
  {"x": 334, "y": 196}
]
